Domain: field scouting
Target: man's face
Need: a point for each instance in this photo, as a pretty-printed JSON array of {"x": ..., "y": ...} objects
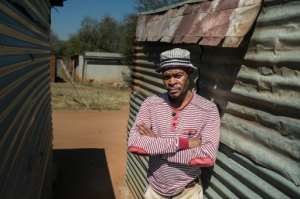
[{"x": 176, "y": 82}]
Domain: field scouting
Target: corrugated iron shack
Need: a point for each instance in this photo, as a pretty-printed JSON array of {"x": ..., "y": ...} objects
[
  {"x": 247, "y": 52},
  {"x": 25, "y": 111},
  {"x": 100, "y": 67}
]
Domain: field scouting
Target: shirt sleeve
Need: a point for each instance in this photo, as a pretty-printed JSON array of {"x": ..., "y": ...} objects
[
  {"x": 149, "y": 145},
  {"x": 205, "y": 155}
]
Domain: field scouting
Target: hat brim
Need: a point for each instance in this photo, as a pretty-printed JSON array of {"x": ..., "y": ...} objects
[{"x": 167, "y": 67}]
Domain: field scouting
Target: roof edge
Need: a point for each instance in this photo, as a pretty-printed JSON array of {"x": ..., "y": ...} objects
[{"x": 166, "y": 8}]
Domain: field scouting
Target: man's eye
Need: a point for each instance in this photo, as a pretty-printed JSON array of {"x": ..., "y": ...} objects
[{"x": 178, "y": 76}]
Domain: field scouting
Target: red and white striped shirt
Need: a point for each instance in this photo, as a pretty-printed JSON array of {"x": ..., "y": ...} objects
[{"x": 171, "y": 165}]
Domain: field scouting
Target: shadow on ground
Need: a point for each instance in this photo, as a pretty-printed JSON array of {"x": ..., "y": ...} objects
[{"x": 81, "y": 174}]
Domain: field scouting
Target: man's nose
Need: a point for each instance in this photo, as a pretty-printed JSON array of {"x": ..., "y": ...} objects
[{"x": 172, "y": 81}]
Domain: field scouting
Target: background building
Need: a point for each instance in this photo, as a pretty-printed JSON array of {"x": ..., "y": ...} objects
[{"x": 98, "y": 67}]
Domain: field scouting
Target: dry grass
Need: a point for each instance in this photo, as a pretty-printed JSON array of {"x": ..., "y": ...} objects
[{"x": 88, "y": 97}]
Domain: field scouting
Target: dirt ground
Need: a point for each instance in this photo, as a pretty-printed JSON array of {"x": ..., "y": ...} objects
[{"x": 100, "y": 130}]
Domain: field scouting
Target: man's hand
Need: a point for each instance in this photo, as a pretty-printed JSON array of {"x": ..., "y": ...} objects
[
  {"x": 144, "y": 130},
  {"x": 194, "y": 142}
]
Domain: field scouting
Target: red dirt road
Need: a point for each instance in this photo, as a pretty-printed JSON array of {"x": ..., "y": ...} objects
[{"x": 92, "y": 129}]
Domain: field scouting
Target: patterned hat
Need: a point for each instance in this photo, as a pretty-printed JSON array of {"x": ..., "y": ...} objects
[{"x": 175, "y": 58}]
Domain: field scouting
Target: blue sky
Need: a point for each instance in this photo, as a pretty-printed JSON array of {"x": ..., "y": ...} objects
[{"x": 66, "y": 20}]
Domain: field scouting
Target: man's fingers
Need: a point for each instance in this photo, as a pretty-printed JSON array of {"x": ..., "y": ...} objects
[
  {"x": 142, "y": 126},
  {"x": 144, "y": 130},
  {"x": 149, "y": 131},
  {"x": 194, "y": 142},
  {"x": 141, "y": 130}
]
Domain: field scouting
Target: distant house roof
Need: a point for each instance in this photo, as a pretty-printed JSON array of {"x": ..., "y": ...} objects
[
  {"x": 203, "y": 22},
  {"x": 103, "y": 55}
]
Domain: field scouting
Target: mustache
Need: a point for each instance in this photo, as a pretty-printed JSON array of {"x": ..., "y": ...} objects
[{"x": 174, "y": 88}]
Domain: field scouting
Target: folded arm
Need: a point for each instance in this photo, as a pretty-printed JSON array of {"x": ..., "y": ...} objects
[
  {"x": 143, "y": 141},
  {"x": 204, "y": 155}
]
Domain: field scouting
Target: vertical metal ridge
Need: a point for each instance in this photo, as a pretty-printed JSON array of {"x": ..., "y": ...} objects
[{"x": 25, "y": 108}]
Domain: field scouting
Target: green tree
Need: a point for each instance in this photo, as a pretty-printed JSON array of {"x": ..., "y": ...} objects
[
  {"x": 108, "y": 35},
  {"x": 72, "y": 46},
  {"x": 127, "y": 30},
  {"x": 88, "y": 34},
  {"x": 55, "y": 42}
]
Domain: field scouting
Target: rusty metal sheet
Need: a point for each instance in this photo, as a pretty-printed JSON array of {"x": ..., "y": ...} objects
[
  {"x": 179, "y": 11},
  {"x": 185, "y": 32},
  {"x": 170, "y": 28},
  {"x": 232, "y": 41},
  {"x": 184, "y": 27},
  {"x": 151, "y": 31},
  {"x": 189, "y": 39},
  {"x": 226, "y": 5},
  {"x": 175, "y": 17},
  {"x": 239, "y": 27},
  {"x": 215, "y": 24},
  {"x": 195, "y": 22},
  {"x": 211, "y": 41},
  {"x": 140, "y": 29},
  {"x": 150, "y": 22},
  {"x": 161, "y": 23}
]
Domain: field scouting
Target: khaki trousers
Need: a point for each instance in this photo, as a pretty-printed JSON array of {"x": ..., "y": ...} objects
[{"x": 194, "y": 192}]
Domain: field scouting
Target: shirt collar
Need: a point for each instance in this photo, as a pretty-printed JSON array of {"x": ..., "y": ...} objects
[{"x": 191, "y": 101}]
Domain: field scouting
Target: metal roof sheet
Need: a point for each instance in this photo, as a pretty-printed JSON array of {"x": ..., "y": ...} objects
[
  {"x": 212, "y": 23},
  {"x": 89, "y": 54}
]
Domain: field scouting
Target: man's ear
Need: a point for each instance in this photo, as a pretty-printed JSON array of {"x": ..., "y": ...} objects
[
  {"x": 190, "y": 71},
  {"x": 192, "y": 79}
]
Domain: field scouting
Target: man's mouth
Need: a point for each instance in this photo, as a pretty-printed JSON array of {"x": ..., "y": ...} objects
[{"x": 173, "y": 91}]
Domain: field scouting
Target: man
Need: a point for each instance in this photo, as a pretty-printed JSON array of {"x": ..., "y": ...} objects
[{"x": 179, "y": 130}]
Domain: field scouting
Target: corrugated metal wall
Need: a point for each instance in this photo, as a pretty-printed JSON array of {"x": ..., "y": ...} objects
[
  {"x": 257, "y": 88},
  {"x": 25, "y": 112}
]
